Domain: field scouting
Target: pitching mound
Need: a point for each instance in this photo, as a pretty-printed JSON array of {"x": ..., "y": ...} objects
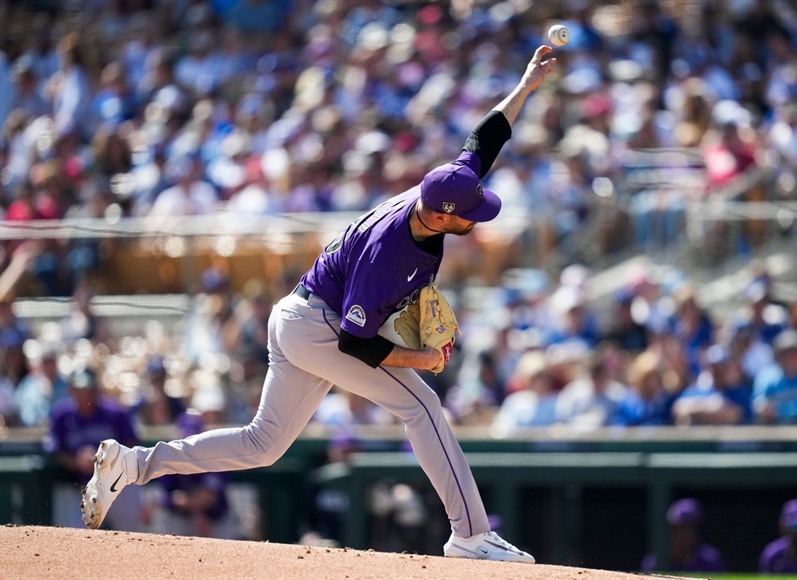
[{"x": 41, "y": 552}]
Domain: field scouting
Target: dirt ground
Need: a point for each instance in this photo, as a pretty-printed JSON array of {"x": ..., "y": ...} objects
[{"x": 45, "y": 552}]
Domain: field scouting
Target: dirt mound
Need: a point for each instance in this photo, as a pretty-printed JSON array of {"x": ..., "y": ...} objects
[{"x": 43, "y": 552}]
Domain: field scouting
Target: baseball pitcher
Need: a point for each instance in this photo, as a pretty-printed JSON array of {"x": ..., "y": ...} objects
[{"x": 326, "y": 332}]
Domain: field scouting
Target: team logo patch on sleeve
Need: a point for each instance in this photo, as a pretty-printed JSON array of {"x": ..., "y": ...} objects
[{"x": 356, "y": 315}]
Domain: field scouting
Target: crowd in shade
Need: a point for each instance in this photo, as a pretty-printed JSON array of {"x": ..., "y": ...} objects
[{"x": 155, "y": 108}]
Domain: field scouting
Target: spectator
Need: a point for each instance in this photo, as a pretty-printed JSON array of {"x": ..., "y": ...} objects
[
  {"x": 480, "y": 388},
  {"x": 728, "y": 151},
  {"x": 42, "y": 388},
  {"x": 247, "y": 329},
  {"x": 573, "y": 321},
  {"x": 78, "y": 425},
  {"x": 257, "y": 15},
  {"x": 158, "y": 84},
  {"x": 592, "y": 400},
  {"x": 532, "y": 402},
  {"x": 687, "y": 551},
  {"x": 27, "y": 97},
  {"x": 82, "y": 322},
  {"x": 15, "y": 366},
  {"x": 775, "y": 387},
  {"x": 719, "y": 396},
  {"x": 201, "y": 70},
  {"x": 6, "y": 88},
  {"x": 111, "y": 151},
  {"x": 155, "y": 406},
  {"x": 189, "y": 195},
  {"x": 782, "y": 134},
  {"x": 83, "y": 254},
  {"x": 210, "y": 312},
  {"x": 228, "y": 171},
  {"x": 71, "y": 92},
  {"x": 780, "y": 556},
  {"x": 691, "y": 325},
  {"x": 747, "y": 347},
  {"x": 114, "y": 102},
  {"x": 8, "y": 406},
  {"x": 768, "y": 318},
  {"x": 8, "y": 319},
  {"x": 647, "y": 403},
  {"x": 674, "y": 367},
  {"x": 209, "y": 398},
  {"x": 341, "y": 408},
  {"x": 625, "y": 331}
]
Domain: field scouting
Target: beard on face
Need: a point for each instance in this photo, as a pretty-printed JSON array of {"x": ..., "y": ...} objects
[{"x": 460, "y": 230}]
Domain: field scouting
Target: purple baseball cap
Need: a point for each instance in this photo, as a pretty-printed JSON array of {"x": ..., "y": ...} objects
[
  {"x": 685, "y": 512},
  {"x": 455, "y": 189},
  {"x": 788, "y": 515}
]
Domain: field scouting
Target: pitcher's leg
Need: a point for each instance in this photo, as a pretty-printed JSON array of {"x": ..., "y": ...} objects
[
  {"x": 434, "y": 444},
  {"x": 403, "y": 393},
  {"x": 289, "y": 399}
]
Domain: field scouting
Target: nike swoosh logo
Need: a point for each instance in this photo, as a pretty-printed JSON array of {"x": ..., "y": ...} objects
[
  {"x": 482, "y": 550},
  {"x": 411, "y": 276},
  {"x": 113, "y": 485},
  {"x": 502, "y": 547}
]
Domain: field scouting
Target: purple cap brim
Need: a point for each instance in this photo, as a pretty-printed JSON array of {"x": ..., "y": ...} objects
[{"x": 487, "y": 210}]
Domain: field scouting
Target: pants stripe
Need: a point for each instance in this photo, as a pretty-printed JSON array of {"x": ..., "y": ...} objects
[{"x": 437, "y": 432}]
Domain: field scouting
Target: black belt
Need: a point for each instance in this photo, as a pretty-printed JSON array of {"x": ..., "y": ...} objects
[{"x": 302, "y": 291}]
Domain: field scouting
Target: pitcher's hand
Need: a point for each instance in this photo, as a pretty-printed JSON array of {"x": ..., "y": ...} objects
[{"x": 538, "y": 68}]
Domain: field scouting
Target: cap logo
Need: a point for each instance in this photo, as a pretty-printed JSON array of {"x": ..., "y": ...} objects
[
  {"x": 448, "y": 207},
  {"x": 479, "y": 190}
]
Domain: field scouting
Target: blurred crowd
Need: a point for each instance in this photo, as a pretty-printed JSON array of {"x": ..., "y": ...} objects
[
  {"x": 651, "y": 354},
  {"x": 534, "y": 352},
  {"x": 162, "y": 108}
]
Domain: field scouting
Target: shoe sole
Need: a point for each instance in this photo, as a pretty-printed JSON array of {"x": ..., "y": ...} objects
[{"x": 88, "y": 504}]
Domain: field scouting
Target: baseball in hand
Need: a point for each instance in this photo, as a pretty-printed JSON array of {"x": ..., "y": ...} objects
[{"x": 558, "y": 34}]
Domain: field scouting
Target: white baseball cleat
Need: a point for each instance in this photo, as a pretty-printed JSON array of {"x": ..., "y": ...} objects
[
  {"x": 111, "y": 474},
  {"x": 486, "y": 546}
]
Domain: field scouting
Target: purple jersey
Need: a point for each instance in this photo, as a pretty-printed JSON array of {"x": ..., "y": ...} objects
[
  {"x": 69, "y": 431},
  {"x": 778, "y": 558},
  {"x": 375, "y": 267},
  {"x": 706, "y": 559},
  {"x": 215, "y": 482}
]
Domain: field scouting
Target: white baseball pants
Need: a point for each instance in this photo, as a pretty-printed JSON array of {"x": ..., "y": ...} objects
[{"x": 304, "y": 364}]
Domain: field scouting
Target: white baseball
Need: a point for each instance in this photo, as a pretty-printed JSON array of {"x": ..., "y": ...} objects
[{"x": 558, "y": 34}]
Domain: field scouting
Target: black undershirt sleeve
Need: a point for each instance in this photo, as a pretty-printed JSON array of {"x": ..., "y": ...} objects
[
  {"x": 372, "y": 351},
  {"x": 487, "y": 139}
]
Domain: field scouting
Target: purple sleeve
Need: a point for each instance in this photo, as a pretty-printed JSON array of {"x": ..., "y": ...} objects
[
  {"x": 763, "y": 562},
  {"x": 712, "y": 559},
  {"x": 648, "y": 563}
]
